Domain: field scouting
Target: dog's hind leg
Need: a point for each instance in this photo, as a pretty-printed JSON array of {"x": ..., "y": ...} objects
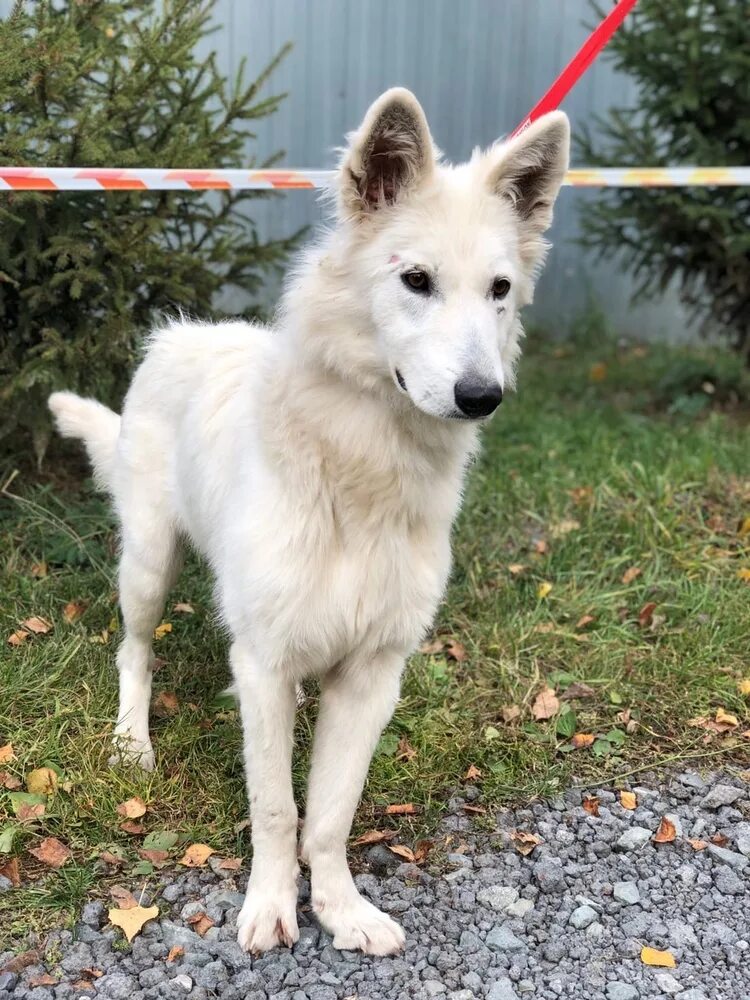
[
  {"x": 149, "y": 565},
  {"x": 357, "y": 701},
  {"x": 267, "y": 703}
]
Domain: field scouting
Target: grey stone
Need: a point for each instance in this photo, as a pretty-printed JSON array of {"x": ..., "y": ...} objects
[
  {"x": 667, "y": 983},
  {"x": 502, "y": 989},
  {"x": 549, "y": 875},
  {"x": 184, "y": 982},
  {"x": 434, "y": 988},
  {"x": 721, "y": 795},
  {"x": 693, "y": 994},
  {"x": 503, "y": 939},
  {"x": 5, "y": 884},
  {"x": 621, "y": 991},
  {"x": 520, "y": 908},
  {"x": 728, "y": 882},
  {"x": 116, "y": 986},
  {"x": 8, "y": 981},
  {"x": 497, "y": 897},
  {"x": 743, "y": 838},
  {"x": 737, "y": 861},
  {"x": 461, "y": 860},
  {"x": 634, "y": 839},
  {"x": 626, "y": 892},
  {"x": 582, "y": 917}
]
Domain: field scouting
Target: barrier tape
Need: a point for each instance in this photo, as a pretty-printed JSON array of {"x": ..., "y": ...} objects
[{"x": 91, "y": 179}]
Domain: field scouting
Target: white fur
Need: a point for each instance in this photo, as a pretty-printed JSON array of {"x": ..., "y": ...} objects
[{"x": 320, "y": 491}]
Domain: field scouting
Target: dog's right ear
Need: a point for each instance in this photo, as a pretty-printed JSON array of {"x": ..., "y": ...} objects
[{"x": 390, "y": 154}]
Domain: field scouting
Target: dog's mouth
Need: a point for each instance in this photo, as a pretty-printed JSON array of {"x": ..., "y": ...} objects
[{"x": 400, "y": 380}]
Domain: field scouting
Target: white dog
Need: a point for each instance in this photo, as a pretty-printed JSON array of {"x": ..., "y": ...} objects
[{"x": 318, "y": 467}]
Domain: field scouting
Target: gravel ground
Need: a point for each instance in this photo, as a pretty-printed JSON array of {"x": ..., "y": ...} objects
[{"x": 567, "y": 921}]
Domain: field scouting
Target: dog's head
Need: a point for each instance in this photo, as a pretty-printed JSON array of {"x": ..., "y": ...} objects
[{"x": 445, "y": 256}]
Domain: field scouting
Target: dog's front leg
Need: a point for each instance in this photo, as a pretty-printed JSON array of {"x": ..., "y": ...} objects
[
  {"x": 267, "y": 703},
  {"x": 356, "y": 703}
]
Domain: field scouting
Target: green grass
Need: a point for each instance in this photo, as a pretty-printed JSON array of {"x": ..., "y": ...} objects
[{"x": 578, "y": 481}]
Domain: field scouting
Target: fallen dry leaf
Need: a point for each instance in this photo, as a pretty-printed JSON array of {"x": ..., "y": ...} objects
[
  {"x": 7, "y": 753},
  {"x": 134, "y": 829},
  {"x": 12, "y": 871},
  {"x": 184, "y": 609},
  {"x": 628, "y": 800},
  {"x": 585, "y": 620},
  {"x": 744, "y": 574},
  {"x": 510, "y": 713},
  {"x": 719, "y": 840},
  {"x": 111, "y": 859},
  {"x": 724, "y": 718},
  {"x": 73, "y": 611},
  {"x": 697, "y": 845},
  {"x": 646, "y": 614},
  {"x": 18, "y": 637},
  {"x": 231, "y": 864},
  {"x": 581, "y": 740},
  {"x": 21, "y": 961},
  {"x": 402, "y": 851},
  {"x": 541, "y": 547},
  {"x": 743, "y": 686},
  {"x": 630, "y": 574},
  {"x": 432, "y": 647},
  {"x": 422, "y": 849},
  {"x": 545, "y": 704},
  {"x": 405, "y": 750},
  {"x": 154, "y": 855},
  {"x": 132, "y": 808},
  {"x": 577, "y": 690},
  {"x": 161, "y": 630},
  {"x": 477, "y": 810},
  {"x": 201, "y": 922},
  {"x": 473, "y": 773},
  {"x": 524, "y": 843},
  {"x": 42, "y": 781},
  {"x": 565, "y": 527},
  {"x": 10, "y": 781},
  {"x": 132, "y": 921},
  {"x": 166, "y": 703},
  {"x": 590, "y": 804},
  {"x": 123, "y": 897},
  {"x": 666, "y": 832},
  {"x": 27, "y": 812},
  {"x": 37, "y": 625},
  {"x": 196, "y": 855},
  {"x": 543, "y": 590},
  {"x": 175, "y": 953},
  {"x": 39, "y": 570},
  {"x": 456, "y": 651},
  {"x": 664, "y": 959},
  {"x": 401, "y": 809},
  {"x": 374, "y": 837},
  {"x": 44, "y": 980},
  {"x": 52, "y": 852},
  {"x": 598, "y": 372},
  {"x": 516, "y": 568}
]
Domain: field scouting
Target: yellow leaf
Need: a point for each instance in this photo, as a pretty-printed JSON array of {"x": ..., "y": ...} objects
[
  {"x": 745, "y": 527},
  {"x": 73, "y": 611},
  {"x": 665, "y": 959},
  {"x": 598, "y": 372},
  {"x": 7, "y": 753},
  {"x": 744, "y": 574},
  {"x": 543, "y": 589},
  {"x": 161, "y": 630},
  {"x": 132, "y": 921},
  {"x": 196, "y": 855},
  {"x": 43, "y": 781},
  {"x": 631, "y": 574},
  {"x": 744, "y": 686},
  {"x": 628, "y": 800},
  {"x": 581, "y": 740},
  {"x": 516, "y": 568},
  {"x": 39, "y": 570},
  {"x": 18, "y": 637}
]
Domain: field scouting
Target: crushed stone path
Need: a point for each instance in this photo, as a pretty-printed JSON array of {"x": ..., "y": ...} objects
[{"x": 569, "y": 920}]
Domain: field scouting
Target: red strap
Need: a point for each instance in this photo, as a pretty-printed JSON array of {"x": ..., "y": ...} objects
[{"x": 578, "y": 64}]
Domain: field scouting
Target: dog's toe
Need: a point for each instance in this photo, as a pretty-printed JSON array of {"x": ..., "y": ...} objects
[
  {"x": 357, "y": 925},
  {"x": 130, "y": 751},
  {"x": 267, "y": 922}
]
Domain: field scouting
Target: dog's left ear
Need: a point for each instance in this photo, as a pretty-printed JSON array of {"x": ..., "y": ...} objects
[
  {"x": 531, "y": 169},
  {"x": 390, "y": 154}
]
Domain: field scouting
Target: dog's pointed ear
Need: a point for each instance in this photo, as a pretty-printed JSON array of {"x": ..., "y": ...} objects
[
  {"x": 532, "y": 167},
  {"x": 389, "y": 154}
]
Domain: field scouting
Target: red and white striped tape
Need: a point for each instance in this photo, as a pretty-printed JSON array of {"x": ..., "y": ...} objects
[{"x": 77, "y": 179}]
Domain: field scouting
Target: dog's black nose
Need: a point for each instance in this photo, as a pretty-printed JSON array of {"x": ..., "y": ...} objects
[{"x": 477, "y": 399}]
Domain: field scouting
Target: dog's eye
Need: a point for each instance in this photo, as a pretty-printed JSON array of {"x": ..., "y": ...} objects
[
  {"x": 417, "y": 281},
  {"x": 500, "y": 288}
]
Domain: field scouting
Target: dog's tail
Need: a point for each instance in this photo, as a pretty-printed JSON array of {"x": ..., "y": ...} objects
[{"x": 94, "y": 424}]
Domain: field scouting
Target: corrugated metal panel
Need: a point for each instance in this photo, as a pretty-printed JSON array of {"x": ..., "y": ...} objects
[{"x": 477, "y": 66}]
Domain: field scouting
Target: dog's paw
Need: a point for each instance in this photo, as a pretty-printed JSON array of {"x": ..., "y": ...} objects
[
  {"x": 357, "y": 925},
  {"x": 267, "y": 920},
  {"x": 132, "y": 751}
]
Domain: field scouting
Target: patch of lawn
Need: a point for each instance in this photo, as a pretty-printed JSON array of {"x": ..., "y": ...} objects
[{"x": 606, "y": 460}]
